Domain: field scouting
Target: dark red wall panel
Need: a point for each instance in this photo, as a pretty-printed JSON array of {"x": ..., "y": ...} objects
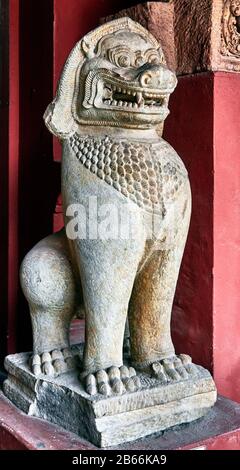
[
  {"x": 4, "y": 144},
  {"x": 189, "y": 128}
]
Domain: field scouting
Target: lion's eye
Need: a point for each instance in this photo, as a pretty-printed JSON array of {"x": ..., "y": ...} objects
[
  {"x": 153, "y": 60},
  {"x": 123, "y": 61},
  {"x": 152, "y": 57},
  {"x": 120, "y": 56}
]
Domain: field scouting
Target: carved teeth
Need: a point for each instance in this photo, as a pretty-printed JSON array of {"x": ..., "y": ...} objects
[
  {"x": 142, "y": 99},
  {"x": 107, "y": 93},
  {"x": 139, "y": 97}
]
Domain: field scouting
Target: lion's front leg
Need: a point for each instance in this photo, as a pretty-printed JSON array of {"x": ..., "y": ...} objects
[
  {"x": 108, "y": 269},
  {"x": 152, "y": 299}
]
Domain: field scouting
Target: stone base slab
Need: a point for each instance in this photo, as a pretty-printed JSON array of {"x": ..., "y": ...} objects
[{"x": 108, "y": 421}]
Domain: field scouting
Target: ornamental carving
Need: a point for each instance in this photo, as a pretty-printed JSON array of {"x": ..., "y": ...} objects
[{"x": 230, "y": 40}]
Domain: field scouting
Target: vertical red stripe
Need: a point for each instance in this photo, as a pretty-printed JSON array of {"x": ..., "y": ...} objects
[
  {"x": 13, "y": 171},
  {"x": 226, "y": 272}
]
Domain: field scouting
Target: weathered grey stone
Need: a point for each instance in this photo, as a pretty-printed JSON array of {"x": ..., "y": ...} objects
[
  {"x": 128, "y": 198},
  {"x": 112, "y": 420}
]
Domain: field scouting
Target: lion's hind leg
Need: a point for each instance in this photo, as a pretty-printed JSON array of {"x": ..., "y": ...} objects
[{"x": 49, "y": 286}]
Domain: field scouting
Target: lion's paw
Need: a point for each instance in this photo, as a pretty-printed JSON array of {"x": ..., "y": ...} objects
[
  {"x": 115, "y": 380},
  {"x": 52, "y": 363},
  {"x": 174, "y": 368}
]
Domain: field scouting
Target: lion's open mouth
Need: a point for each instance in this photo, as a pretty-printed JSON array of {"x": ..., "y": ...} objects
[{"x": 133, "y": 98}]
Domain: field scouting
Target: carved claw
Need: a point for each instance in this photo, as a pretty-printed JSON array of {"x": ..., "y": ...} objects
[
  {"x": 187, "y": 362},
  {"x": 117, "y": 386},
  {"x": 115, "y": 380},
  {"x": 179, "y": 367},
  {"x": 174, "y": 368},
  {"x": 159, "y": 372},
  {"x": 52, "y": 363},
  {"x": 91, "y": 386},
  {"x": 168, "y": 365},
  {"x": 60, "y": 366},
  {"x": 48, "y": 369}
]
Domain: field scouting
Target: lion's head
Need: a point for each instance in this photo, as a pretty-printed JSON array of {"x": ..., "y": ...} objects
[{"x": 115, "y": 76}]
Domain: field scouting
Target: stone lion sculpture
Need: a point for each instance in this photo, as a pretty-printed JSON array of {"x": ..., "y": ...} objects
[{"x": 111, "y": 101}]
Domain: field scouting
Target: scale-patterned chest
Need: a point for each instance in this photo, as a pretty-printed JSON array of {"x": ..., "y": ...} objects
[{"x": 149, "y": 174}]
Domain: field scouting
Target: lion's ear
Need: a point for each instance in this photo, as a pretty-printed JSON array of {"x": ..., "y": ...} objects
[
  {"x": 58, "y": 116},
  {"x": 88, "y": 49},
  {"x": 58, "y": 120}
]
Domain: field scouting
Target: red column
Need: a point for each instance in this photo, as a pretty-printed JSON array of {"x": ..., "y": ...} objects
[
  {"x": 4, "y": 121},
  {"x": 13, "y": 172},
  {"x": 226, "y": 261},
  {"x": 9, "y": 169},
  {"x": 189, "y": 128}
]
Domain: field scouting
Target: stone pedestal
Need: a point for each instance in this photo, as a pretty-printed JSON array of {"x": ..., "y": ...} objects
[
  {"x": 218, "y": 430},
  {"x": 113, "y": 420}
]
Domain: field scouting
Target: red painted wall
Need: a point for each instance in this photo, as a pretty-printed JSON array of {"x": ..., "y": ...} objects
[
  {"x": 39, "y": 181},
  {"x": 73, "y": 19},
  {"x": 189, "y": 128},
  {"x": 4, "y": 126},
  {"x": 9, "y": 169},
  {"x": 13, "y": 208},
  {"x": 226, "y": 270}
]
